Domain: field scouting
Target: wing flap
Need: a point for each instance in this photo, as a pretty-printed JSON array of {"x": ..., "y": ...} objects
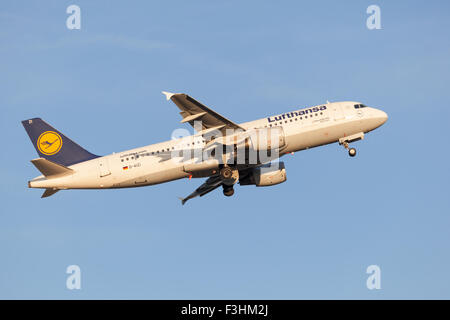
[
  {"x": 193, "y": 117},
  {"x": 192, "y": 110}
]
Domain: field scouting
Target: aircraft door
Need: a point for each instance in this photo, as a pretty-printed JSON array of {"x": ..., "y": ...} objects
[
  {"x": 338, "y": 113},
  {"x": 104, "y": 167}
]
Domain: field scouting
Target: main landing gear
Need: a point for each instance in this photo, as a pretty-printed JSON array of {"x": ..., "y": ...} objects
[
  {"x": 228, "y": 191},
  {"x": 226, "y": 173},
  {"x": 229, "y": 178}
]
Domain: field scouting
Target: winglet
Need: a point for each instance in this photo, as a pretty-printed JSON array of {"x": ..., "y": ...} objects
[
  {"x": 183, "y": 200},
  {"x": 168, "y": 94}
]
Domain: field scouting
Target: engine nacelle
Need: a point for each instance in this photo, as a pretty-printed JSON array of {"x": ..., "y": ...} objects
[
  {"x": 267, "y": 175},
  {"x": 267, "y": 139}
]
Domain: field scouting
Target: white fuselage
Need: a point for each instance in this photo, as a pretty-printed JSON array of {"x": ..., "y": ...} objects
[{"x": 144, "y": 166}]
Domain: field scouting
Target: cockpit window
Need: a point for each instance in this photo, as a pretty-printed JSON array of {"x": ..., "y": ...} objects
[{"x": 357, "y": 106}]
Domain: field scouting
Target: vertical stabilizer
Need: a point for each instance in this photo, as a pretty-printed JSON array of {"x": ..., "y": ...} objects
[{"x": 52, "y": 145}]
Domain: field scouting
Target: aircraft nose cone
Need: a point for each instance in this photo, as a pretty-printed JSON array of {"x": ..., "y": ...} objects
[
  {"x": 383, "y": 116},
  {"x": 379, "y": 118}
]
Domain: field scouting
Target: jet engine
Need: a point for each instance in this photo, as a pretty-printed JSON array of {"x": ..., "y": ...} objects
[{"x": 266, "y": 175}]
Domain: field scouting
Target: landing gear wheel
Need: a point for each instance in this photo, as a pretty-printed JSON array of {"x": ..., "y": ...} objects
[
  {"x": 226, "y": 173},
  {"x": 352, "y": 152},
  {"x": 228, "y": 191}
]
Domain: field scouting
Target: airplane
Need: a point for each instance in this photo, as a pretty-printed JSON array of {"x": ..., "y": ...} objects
[{"x": 220, "y": 150}]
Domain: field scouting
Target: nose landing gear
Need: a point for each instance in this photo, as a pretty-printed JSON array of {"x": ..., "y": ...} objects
[
  {"x": 351, "y": 151},
  {"x": 346, "y": 140}
]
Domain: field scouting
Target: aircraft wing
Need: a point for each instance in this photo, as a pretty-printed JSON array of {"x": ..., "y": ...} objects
[
  {"x": 209, "y": 185},
  {"x": 192, "y": 110}
]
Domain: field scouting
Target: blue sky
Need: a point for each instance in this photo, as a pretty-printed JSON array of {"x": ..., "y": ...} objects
[{"x": 310, "y": 238}]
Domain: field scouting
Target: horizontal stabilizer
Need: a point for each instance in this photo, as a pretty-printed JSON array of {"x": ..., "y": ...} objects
[
  {"x": 50, "y": 169},
  {"x": 49, "y": 192}
]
